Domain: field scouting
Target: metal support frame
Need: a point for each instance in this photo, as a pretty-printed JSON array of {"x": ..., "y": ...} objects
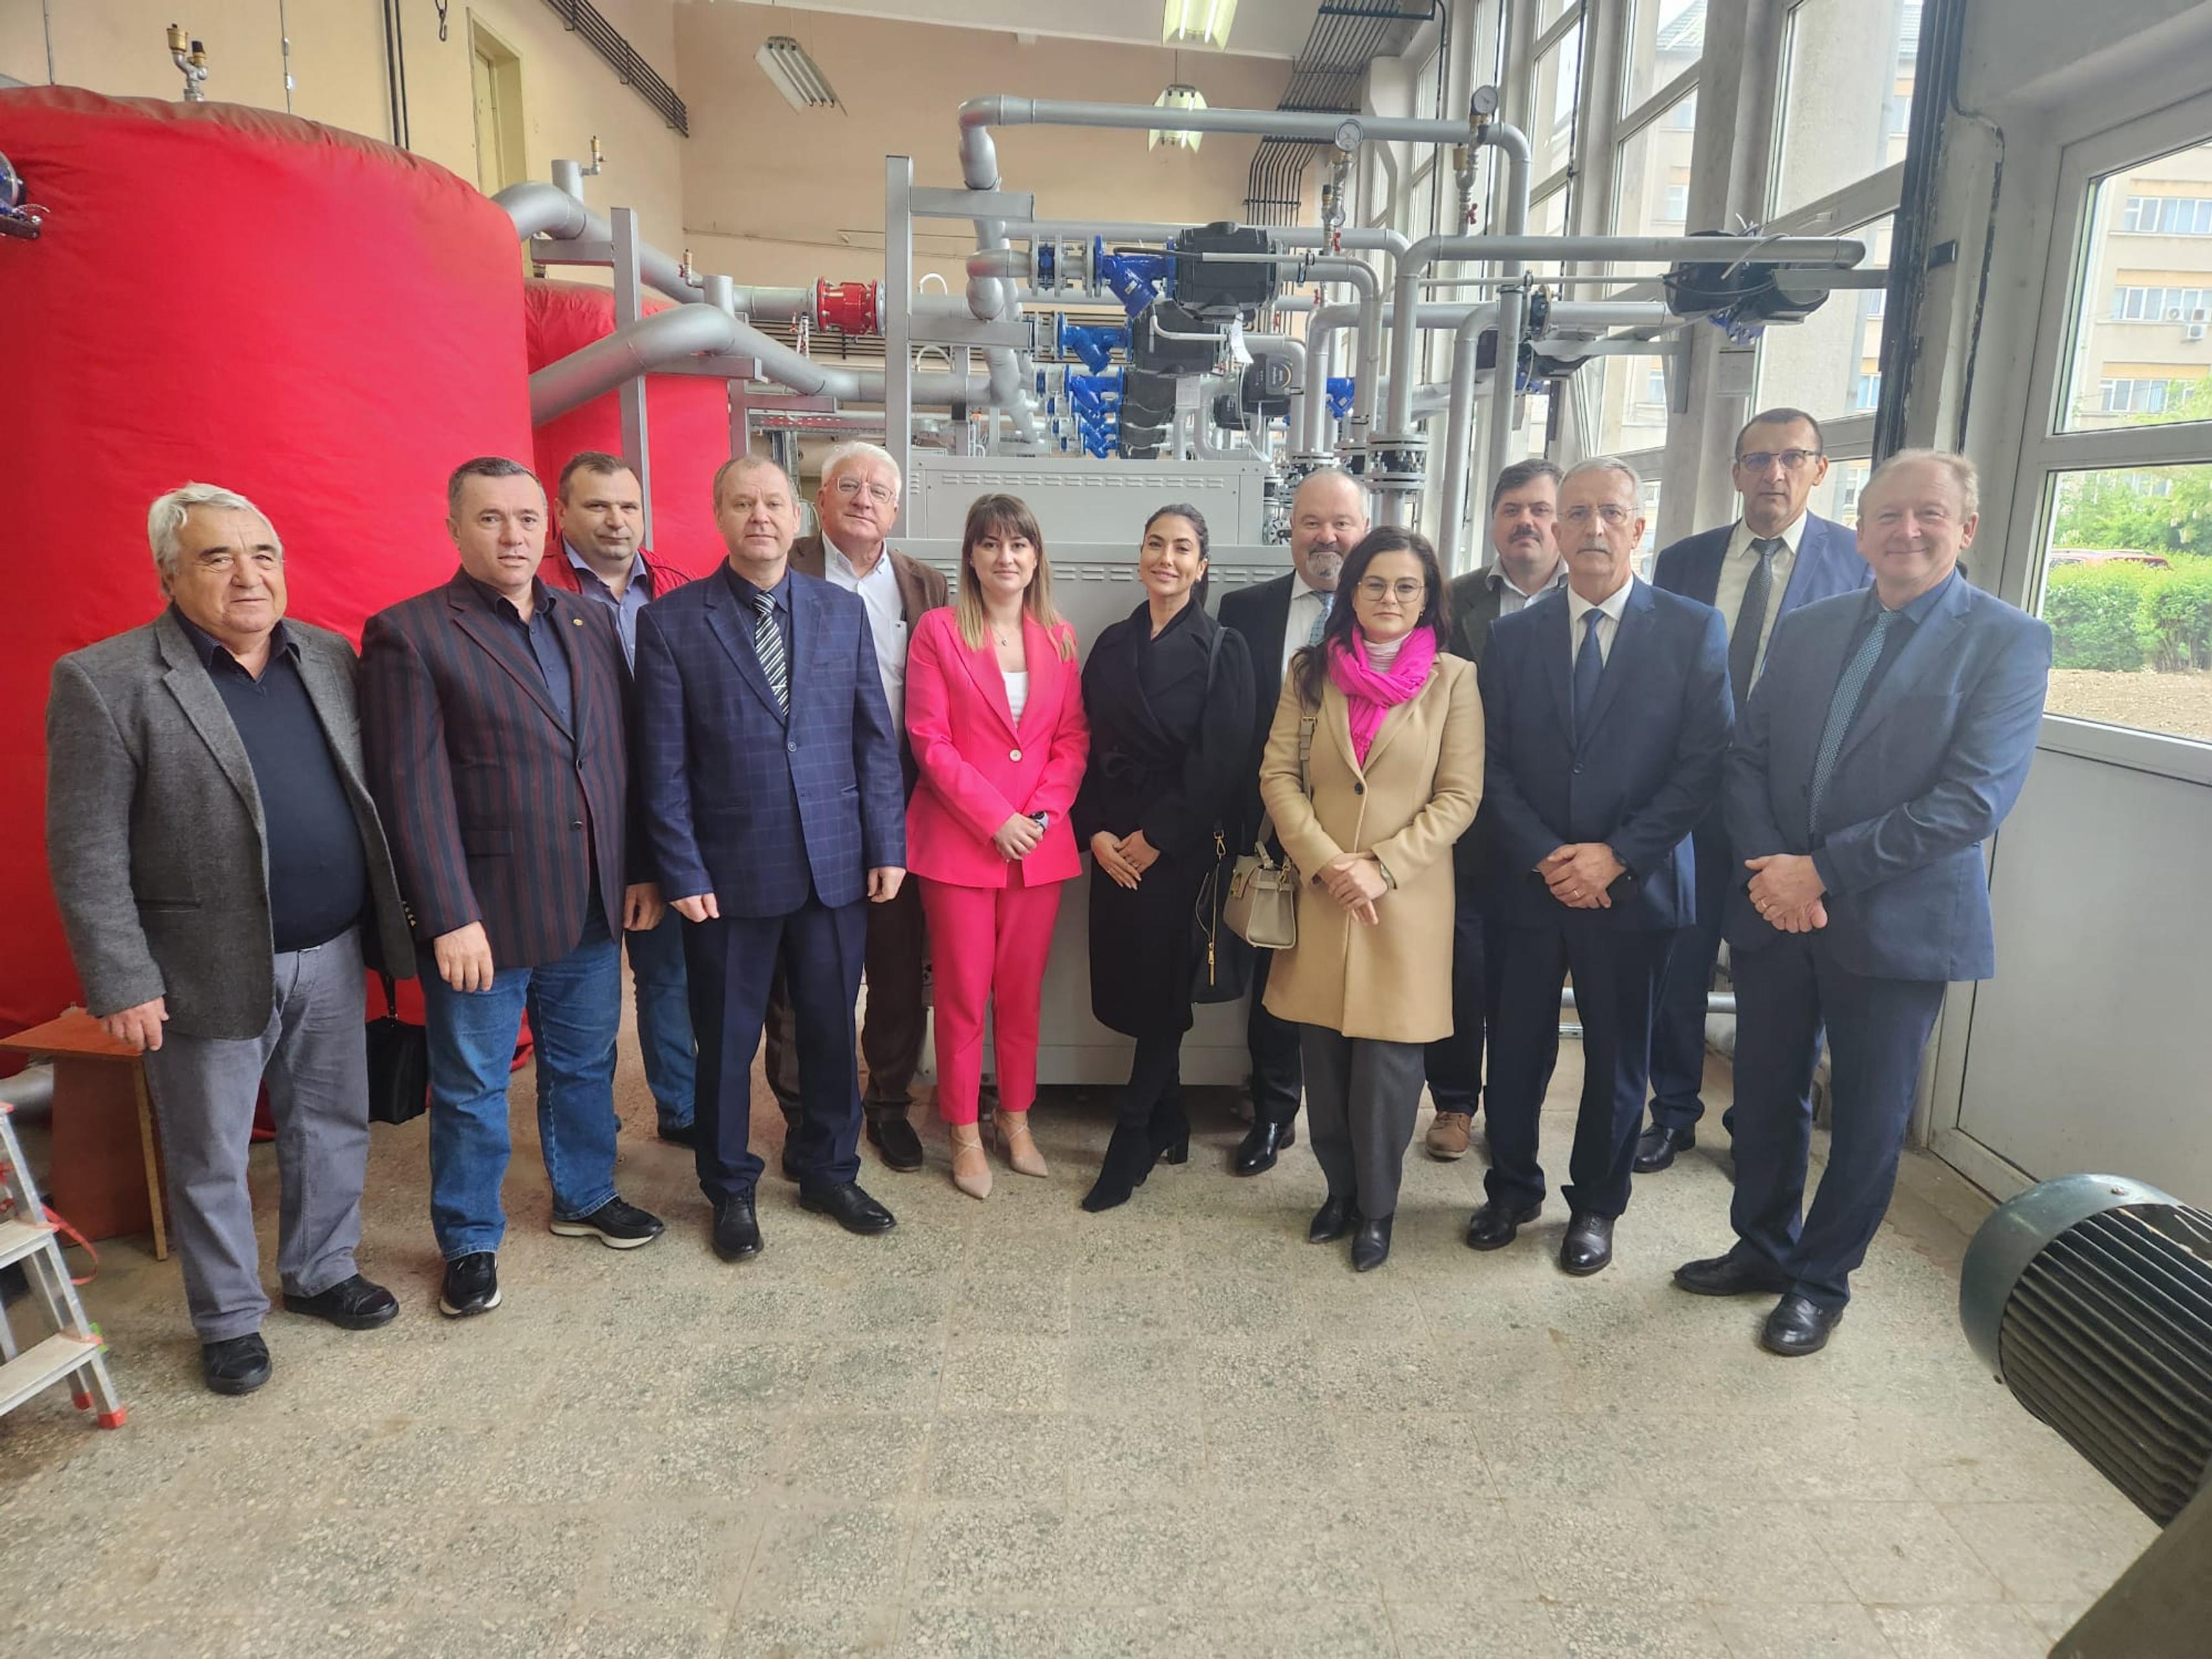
[
  {"x": 630, "y": 306},
  {"x": 898, "y": 325}
]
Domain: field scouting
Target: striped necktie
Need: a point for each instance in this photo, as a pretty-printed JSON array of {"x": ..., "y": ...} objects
[
  {"x": 1321, "y": 622},
  {"x": 768, "y": 646},
  {"x": 1842, "y": 709}
]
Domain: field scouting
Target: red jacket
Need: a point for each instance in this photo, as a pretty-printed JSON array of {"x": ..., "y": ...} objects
[{"x": 558, "y": 572}]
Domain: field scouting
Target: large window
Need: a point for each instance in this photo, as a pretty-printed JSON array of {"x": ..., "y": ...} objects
[
  {"x": 2141, "y": 351},
  {"x": 2167, "y": 215},
  {"x": 1666, "y": 38},
  {"x": 1846, "y": 95},
  {"x": 1830, "y": 363},
  {"x": 1552, "y": 119}
]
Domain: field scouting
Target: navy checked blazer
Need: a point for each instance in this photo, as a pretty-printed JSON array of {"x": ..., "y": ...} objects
[
  {"x": 740, "y": 803},
  {"x": 496, "y": 812}
]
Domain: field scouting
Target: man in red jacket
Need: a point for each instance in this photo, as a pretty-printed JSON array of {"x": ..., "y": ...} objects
[{"x": 602, "y": 518}]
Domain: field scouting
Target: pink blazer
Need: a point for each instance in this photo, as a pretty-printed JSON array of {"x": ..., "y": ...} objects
[{"x": 979, "y": 768}]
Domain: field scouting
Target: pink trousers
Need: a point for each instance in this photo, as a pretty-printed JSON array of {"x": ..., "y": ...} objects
[{"x": 987, "y": 945}]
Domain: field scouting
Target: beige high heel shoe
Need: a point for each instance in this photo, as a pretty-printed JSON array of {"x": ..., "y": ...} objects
[
  {"x": 971, "y": 1174},
  {"x": 1018, "y": 1145}
]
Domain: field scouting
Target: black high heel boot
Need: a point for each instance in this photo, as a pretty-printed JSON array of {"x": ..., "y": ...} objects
[
  {"x": 1168, "y": 1128},
  {"x": 1129, "y": 1157}
]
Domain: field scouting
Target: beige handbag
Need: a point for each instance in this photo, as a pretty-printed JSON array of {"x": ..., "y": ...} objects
[{"x": 1262, "y": 908}]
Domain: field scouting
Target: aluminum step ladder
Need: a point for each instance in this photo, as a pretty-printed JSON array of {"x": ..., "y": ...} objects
[{"x": 74, "y": 1349}]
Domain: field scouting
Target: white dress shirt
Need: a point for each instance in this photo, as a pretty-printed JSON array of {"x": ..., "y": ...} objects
[
  {"x": 1511, "y": 598},
  {"x": 1735, "y": 575},
  {"x": 1607, "y": 631},
  {"x": 1308, "y": 606},
  {"x": 878, "y": 591}
]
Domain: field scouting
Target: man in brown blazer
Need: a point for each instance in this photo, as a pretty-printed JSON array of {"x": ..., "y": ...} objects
[{"x": 855, "y": 506}]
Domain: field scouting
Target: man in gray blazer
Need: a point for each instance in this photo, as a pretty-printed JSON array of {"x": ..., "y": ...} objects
[{"x": 220, "y": 868}]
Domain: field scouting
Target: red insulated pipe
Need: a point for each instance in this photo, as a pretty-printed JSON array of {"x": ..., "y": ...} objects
[{"x": 853, "y": 308}]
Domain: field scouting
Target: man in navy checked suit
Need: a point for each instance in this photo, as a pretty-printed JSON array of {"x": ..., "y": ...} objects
[
  {"x": 775, "y": 810},
  {"x": 1887, "y": 742},
  {"x": 1606, "y": 704},
  {"x": 493, "y": 729},
  {"x": 1776, "y": 558}
]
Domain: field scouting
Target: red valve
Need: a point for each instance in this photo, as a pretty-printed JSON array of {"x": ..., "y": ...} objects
[{"x": 851, "y": 306}]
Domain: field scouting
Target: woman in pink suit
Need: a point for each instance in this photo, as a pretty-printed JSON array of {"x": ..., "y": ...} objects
[{"x": 994, "y": 708}]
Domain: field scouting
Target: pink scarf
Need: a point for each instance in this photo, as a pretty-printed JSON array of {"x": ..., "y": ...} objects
[{"x": 1368, "y": 694}]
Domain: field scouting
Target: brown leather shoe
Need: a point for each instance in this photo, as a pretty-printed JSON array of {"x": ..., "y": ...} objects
[{"x": 1450, "y": 1135}]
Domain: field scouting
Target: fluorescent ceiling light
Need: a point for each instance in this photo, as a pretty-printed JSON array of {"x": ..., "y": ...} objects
[
  {"x": 1197, "y": 23},
  {"x": 796, "y": 76},
  {"x": 1177, "y": 96}
]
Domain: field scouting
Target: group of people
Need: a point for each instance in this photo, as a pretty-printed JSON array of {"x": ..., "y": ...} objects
[{"x": 820, "y": 761}]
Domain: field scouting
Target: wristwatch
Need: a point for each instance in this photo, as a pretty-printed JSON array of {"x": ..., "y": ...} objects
[{"x": 1042, "y": 820}]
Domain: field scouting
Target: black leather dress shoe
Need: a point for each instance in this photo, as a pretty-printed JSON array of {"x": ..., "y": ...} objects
[
  {"x": 1371, "y": 1245},
  {"x": 237, "y": 1366},
  {"x": 1587, "y": 1247},
  {"x": 1656, "y": 1146},
  {"x": 737, "y": 1230},
  {"x": 1737, "y": 1274},
  {"x": 1798, "y": 1326},
  {"x": 1493, "y": 1227},
  {"x": 1335, "y": 1218},
  {"x": 849, "y": 1206},
  {"x": 471, "y": 1286},
  {"x": 1256, "y": 1152},
  {"x": 680, "y": 1134},
  {"x": 351, "y": 1304},
  {"x": 890, "y": 1134}
]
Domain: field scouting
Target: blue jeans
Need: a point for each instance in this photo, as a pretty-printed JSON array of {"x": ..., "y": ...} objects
[
  {"x": 663, "y": 1020},
  {"x": 575, "y": 1010}
]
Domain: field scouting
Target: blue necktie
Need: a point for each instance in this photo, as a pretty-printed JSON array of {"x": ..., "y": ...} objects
[
  {"x": 1842, "y": 709},
  {"x": 1590, "y": 668},
  {"x": 1321, "y": 623}
]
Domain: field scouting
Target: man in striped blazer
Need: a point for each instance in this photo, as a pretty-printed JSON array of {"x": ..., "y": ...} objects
[{"x": 494, "y": 728}]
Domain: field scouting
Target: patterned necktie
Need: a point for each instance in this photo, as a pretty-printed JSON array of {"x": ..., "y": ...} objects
[
  {"x": 1590, "y": 668},
  {"x": 1751, "y": 618},
  {"x": 1842, "y": 709},
  {"x": 768, "y": 646},
  {"x": 1321, "y": 623}
]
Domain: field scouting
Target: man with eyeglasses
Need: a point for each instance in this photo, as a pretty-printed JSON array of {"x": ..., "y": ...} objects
[
  {"x": 1607, "y": 715},
  {"x": 855, "y": 506},
  {"x": 1776, "y": 557},
  {"x": 1278, "y": 619}
]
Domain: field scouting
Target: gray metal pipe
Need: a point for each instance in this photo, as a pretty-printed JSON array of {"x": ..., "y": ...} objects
[
  {"x": 1294, "y": 351},
  {"x": 1513, "y": 300},
  {"x": 988, "y": 297},
  {"x": 978, "y": 115},
  {"x": 538, "y": 209}
]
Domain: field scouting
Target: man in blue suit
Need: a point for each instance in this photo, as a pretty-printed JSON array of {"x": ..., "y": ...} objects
[
  {"x": 1606, "y": 712},
  {"x": 775, "y": 810},
  {"x": 1775, "y": 559},
  {"x": 1891, "y": 737}
]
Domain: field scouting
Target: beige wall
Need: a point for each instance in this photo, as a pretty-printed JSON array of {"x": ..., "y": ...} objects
[
  {"x": 772, "y": 195},
  {"x": 569, "y": 92}
]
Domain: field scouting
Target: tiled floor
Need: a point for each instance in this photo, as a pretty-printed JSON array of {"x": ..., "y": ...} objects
[{"x": 1012, "y": 1428}]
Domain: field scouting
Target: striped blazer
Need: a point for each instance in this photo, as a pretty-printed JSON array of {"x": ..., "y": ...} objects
[{"x": 496, "y": 812}]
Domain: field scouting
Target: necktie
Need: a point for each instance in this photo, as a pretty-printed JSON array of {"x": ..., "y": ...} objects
[
  {"x": 1321, "y": 622},
  {"x": 1590, "y": 668},
  {"x": 768, "y": 646},
  {"x": 1751, "y": 618},
  {"x": 1842, "y": 709}
]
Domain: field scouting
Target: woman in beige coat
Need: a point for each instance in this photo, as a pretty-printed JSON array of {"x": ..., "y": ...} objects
[{"x": 1392, "y": 730}]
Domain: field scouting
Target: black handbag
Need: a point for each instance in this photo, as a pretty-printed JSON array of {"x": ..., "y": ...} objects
[
  {"x": 1221, "y": 962},
  {"x": 398, "y": 1063}
]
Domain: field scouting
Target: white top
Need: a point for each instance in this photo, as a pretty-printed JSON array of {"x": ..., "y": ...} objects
[
  {"x": 1381, "y": 656},
  {"x": 878, "y": 591},
  {"x": 1308, "y": 606},
  {"x": 1017, "y": 690},
  {"x": 1578, "y": 607},
  {"x": 1736, "y": 576}
]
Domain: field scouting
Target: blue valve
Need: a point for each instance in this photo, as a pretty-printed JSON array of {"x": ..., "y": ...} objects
[
  {"x": 1093, "y": 343},
  {"x": 1340, "y": 388}
]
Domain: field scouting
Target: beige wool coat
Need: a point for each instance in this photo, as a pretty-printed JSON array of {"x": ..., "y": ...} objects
[{"x": 1415, "y": 797}]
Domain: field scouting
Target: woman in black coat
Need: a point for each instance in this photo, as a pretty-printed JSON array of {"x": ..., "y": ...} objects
[{"x": 1169, "y": 694}]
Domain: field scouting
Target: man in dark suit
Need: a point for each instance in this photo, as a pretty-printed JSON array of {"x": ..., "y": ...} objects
[
  {"x": 1889, "y": 742},
  {"x": 222, "y": 872},
  {"x": 1277, "y": 619},
  {"x": 1607, "y": 710},
  {"x": 494, "y": 721},
  {"x": 1524, "y": 511},
  {"x": 1773, "y": 560},
  {"x": 598, "y": 555},
  {"x": 773, "y": 805},
  {"x": 856, "y": 504}
]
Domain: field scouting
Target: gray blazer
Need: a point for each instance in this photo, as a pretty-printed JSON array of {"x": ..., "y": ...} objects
[{"x": 154, "y": 834}]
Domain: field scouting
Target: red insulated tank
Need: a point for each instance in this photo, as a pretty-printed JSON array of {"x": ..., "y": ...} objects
[
  {"x": 316, "y": 319},
  {"x": 687, "y": 420}
]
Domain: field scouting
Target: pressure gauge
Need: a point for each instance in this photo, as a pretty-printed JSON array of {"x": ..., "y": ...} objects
[
  {"x": 1348, "y": 135},
  {"x": 1484, "y": 103}
]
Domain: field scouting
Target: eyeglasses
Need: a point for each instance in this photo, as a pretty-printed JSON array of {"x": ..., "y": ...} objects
[
  {"x": 1612, "y": 512},
  {"x": 881, "y": 495},
  {"x": 1406, "y": 592},
  {"x": 1795, "y": 460}
]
